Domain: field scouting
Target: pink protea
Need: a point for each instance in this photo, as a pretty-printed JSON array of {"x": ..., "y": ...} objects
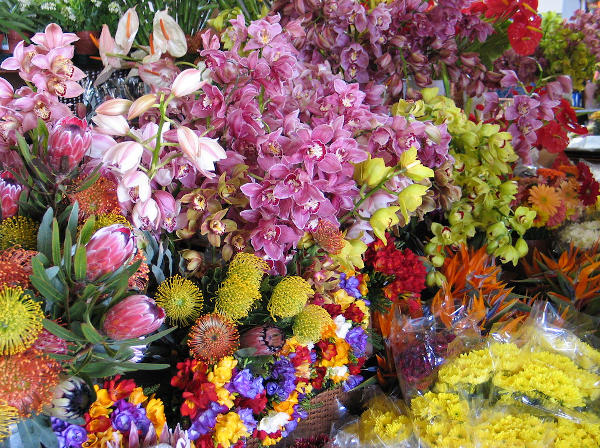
[
  {"x": 265, "y": 339},
  {"x": 10, "y": 190},
  {"x": 69, "y": 140},
  {"x": 108, "y": 249},
  {"x": 132, "y": 317},
  {"x": 49, "y": 343}
]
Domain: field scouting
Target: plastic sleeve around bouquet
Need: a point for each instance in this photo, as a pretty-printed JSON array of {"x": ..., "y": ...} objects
[
  {"x": 384, "y": 424},
  {"x": 547, "y": 368},
  {"x": 421, "y": 346}
]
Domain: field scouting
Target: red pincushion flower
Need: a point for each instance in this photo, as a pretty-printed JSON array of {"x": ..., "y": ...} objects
[{"x": 552, "y": 137}]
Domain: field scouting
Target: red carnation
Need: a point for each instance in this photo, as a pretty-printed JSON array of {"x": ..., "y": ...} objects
[{"x": 552, "y": 137}]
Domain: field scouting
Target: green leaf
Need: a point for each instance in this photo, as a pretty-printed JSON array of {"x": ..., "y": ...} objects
[
  {"x": 42, "y": 283},
  {"x": 35, "y": 432},
  {"x": 68, "y": 244},
  {"x": 55, "y": 243},
  {"x": 147, "y": 340},
  {"x": 60, "y": 331},
  {"x": 73, "y": 220},
  {"x": 91, "y": 334},
  {"x": 93, "y": 177},
  {"x": 44, "y": 238},
  {"x": 100, "y": 369},
  {"x": 80, "y": 263},
  {"x": 87, "y": 230}
]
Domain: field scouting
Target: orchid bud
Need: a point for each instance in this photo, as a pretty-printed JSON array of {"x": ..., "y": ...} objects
[
  {"x": 141, "y": 105},
  {"x": 203, "y": 152},
  {"x": 169, "y": 209},
  {"x": 68, "y": 142},
  {"x": 124, "y": 156},
  {"x": 521, "y": 247},
  {"x": 132, "y": 317},
  {"x": 146, "y": 215},
  {"x": 108, "y": 249},
  {"x": 371, "y": 172},
  {"x": 134, "y": 187},
  {"x": 111, "y": 125},
  {"x": 187, "y": 82},
  {"x": 10, "y": 190},
  {"x": 117, "y": 106},
  {"x": 434, "y": 133}
]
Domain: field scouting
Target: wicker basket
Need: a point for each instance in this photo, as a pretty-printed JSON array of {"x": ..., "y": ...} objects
[{"x": 324, "y": 412}]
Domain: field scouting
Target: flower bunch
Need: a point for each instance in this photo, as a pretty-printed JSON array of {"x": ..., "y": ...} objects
[
  {"x": 121, "y": 414},
  {"x": 558, "y": 195},
  {"x": 582, "y": 235}
]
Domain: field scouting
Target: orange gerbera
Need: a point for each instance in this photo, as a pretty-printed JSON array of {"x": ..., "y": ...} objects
[
  {"x": 544, "y": 199},
  {"x": 568, "y": 191}
]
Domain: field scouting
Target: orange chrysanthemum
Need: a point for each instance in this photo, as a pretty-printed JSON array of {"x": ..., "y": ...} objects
[
  {"x": 27, "y": 380},
  {"x": 329, "y": 237},
  {"x": 15, "y": 267},
  {"x": 99, "y": 198},
  {"x": 550, "y": 173},
  {"x": 213, "y": 337},
  {"x": 544, "y": 199}
]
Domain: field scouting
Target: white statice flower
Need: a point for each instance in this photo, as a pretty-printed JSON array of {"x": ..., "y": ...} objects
[
  {"x": 114, "y": 8},
  {"x": 273, "y": 422},
  {"x": 341, "y": 326},
  {"x": 48, "y": 6},
  {"x": 582, "y": 235},
  {"x": 24, "y": 4},
  {"x": 97, "y": 3}
]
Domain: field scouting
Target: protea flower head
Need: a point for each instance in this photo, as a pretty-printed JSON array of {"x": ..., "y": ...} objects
[
  {"x": 132, "y": 317},
  {"x": 10, "y": 190},
  {"x": 108, "y": 249},
  {"x": 266, "y": 339},
  {"x": 68, "y": 142},
  {"x": 177, "y": 438},
  {"x": 72, "y": 398}
]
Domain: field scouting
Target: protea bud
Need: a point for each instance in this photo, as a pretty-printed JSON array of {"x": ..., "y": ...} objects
[
  {"x": 68, "y": 142},
  {"x": 72, "y": 398},
  {"x": 132, "y": 317},
  {"x": 10, "y": 190},
  {"x": 108, "y": 249}
]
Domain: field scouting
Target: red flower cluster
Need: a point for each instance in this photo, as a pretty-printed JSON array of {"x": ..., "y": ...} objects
[
  {"x": 589, "y": 188},
  {"x": 198, "y": 393},
  {"x": 553, "y": 136},
  {"x": 524, "y": 33}
]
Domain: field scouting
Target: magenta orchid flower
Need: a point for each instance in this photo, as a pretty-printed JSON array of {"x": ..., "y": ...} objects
[{"x": 53, "y": 37}]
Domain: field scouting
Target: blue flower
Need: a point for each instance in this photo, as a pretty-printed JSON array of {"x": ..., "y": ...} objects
[{"x": 357, "y": 338}]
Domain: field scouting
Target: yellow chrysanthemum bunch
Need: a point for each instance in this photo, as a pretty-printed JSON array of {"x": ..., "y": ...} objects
[
  {"x": 310, "y": 323},
  {"x": 383, "y": 421},
  {"x": 241, "y": 289},
  {"x": 512, "y": 429},
  {"x": 289, "y": 297},
  {"x": 18, "y": 231}
]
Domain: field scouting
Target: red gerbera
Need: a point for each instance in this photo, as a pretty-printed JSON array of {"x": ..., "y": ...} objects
[
  {"x": 552, "y": 137},
  {"x": 589, "y": 187}
]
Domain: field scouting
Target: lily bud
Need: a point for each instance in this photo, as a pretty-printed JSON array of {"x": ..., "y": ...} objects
[
  {"x": 111, "y": 124},
  {"x": 124, "y": 156},
  {"x": 132, "y": 317},
  {"x": 141, "y": 105},
  {"x": 68, "y": 142},
  {"x": 187, "y": 82},
  {"x": 117, "y": 106},
  {"x": 108, "y": 249},
  {"x": 10, "y": 190}
]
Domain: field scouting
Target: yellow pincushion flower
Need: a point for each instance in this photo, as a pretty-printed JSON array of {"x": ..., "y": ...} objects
[
  {"x": 107, "y": 219},
  {"x": 229, "y": 429},
  {"x": 9, "y": 416},
  {"x": 18, "y": 231},
  {"x": 20, "y": 321},
  {"x": 310, "y": 323},
  {"x": 236, "y": 297},
  {"x": 289, "y": 297},
  {"x": 181, "y": 299},
  {"x": 249, "y": 267}
]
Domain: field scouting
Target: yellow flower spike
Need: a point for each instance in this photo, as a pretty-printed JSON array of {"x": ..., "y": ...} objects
[
  {"x": 414, "y": 168},
  {"x": 383, "y": 219},
  {"x": 371, "y": 172},
  {"x": 411, "y": 198}
]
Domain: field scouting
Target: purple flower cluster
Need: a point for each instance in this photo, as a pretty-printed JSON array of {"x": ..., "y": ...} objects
[
  {"x": 352, "y": 382},
  {"x": 245, "y": 384},
  {"x": 126, "y": 414},
  {"x": 350, "y": 285},
  {"x": 69, "y": 436},
  {"x": 357, "y": 339},
  {"x": 206, "y": 420},
  {"x": 393, "y": 41},
  {"x": 282, "y": 381}
]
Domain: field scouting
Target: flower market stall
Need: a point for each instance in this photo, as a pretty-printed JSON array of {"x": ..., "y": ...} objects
[{"x": 298, "y": 223}]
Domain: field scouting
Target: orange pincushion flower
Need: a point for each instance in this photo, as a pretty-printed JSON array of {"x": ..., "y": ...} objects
[
  {"x": 213, "y": 337},
  {"x": 28, "y": 380},
  {"x": 99, "y": 198},
  {"x": 329, "y": 237},
  {"x": 544, "y": 199},
  {"x": 15, "y": 267}
]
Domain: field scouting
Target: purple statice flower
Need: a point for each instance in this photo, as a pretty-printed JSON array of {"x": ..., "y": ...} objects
[
  {"x": 352, "y": 382},
  {"x": 357, "y": 339},
  {"x": 127, "y": 413},
  {"x": 350, "y": 285},
  {"x": 244, "y": 384},
  {"x": 282, "y": 381},
  {"x": 248, "y": 419},
  {"x": 206, "y": 421}
]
